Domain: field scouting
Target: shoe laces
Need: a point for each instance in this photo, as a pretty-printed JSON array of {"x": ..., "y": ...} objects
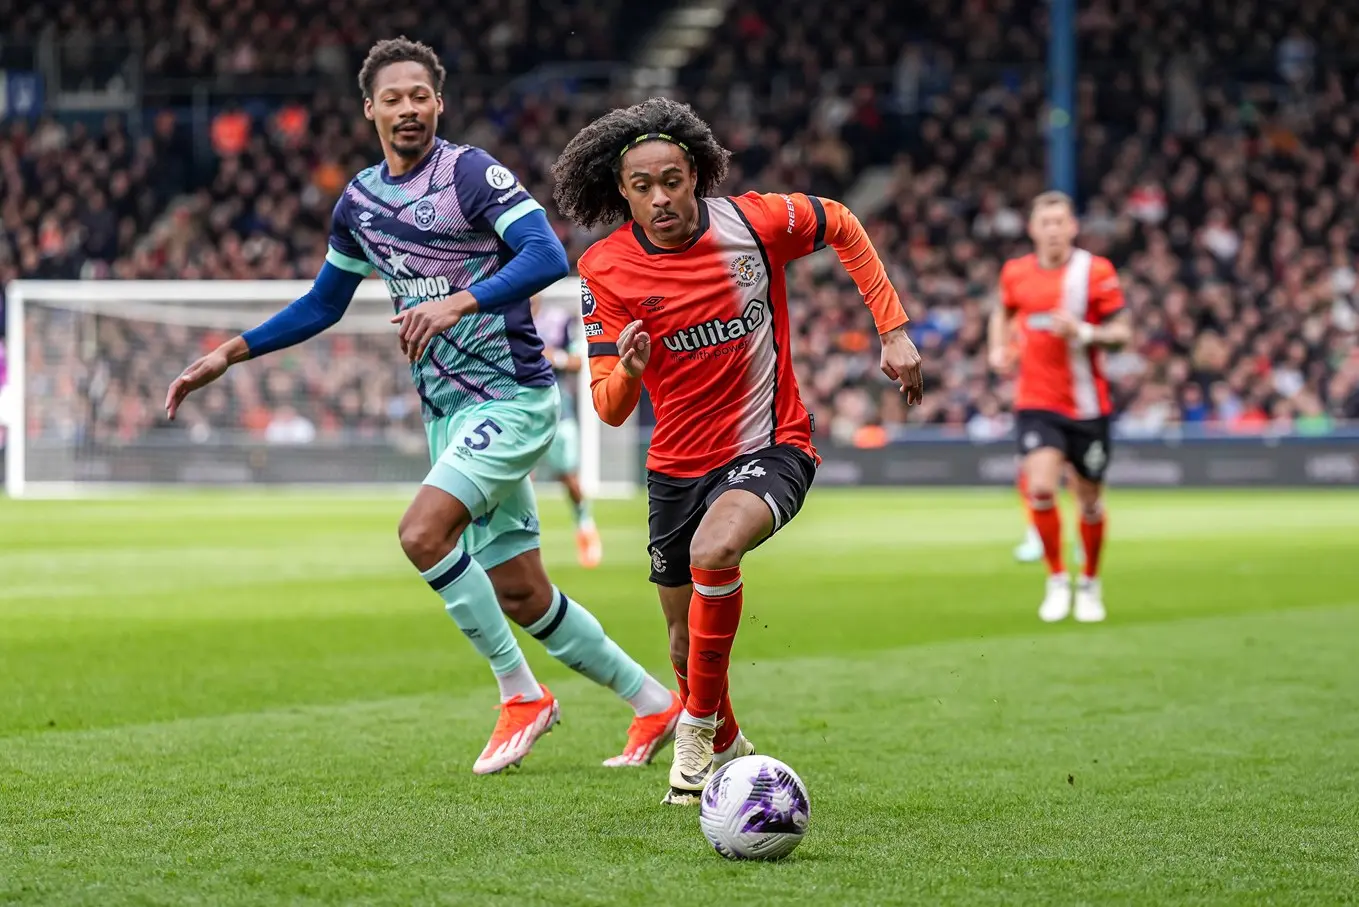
[
  {"x": 507, "y": 710},
  {"x": 689, "y": 744}
]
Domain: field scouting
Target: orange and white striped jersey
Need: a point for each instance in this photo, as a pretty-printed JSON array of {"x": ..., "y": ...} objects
[
  {"x": 720, "y": 375},
  {"x": 1054, "y": 375}
]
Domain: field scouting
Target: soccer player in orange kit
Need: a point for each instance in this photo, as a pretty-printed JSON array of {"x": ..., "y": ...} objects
[
  {"x": 1067, "y": 307},
  {"x": 688, "y": 298}
]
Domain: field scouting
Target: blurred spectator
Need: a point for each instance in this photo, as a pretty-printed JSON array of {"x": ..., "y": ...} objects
[{"x": 287, "y": 426}]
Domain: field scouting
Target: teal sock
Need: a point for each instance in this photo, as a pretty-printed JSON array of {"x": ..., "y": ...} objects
[
  {"x": 582, "y": 512},
  {"x": 573, "y": 636},
  {"x": 470, "y": 600}
]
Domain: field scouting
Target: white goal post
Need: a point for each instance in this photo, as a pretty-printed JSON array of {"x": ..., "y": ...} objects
[{"x": 84, "y": 415}]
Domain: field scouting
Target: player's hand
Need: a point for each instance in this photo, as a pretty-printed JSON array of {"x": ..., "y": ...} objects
[
  {"x": 422, "y": 323},
  {"x": 901, "y": 362},
  {"x": 200, "y": 374},
  {"x": 1064, "y": 324},
  {"x": 1001, "y": 359},
  {"x": 634, "y": 349}
]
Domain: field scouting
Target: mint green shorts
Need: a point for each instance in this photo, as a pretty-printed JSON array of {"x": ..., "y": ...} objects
[
  {"x": 482, "y": 456},
  {"x": 563, "y": 457}
]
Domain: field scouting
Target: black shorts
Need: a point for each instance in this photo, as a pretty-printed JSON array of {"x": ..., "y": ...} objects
[
  {"x": 1084, "y": 442},
  {"x": 781, "y": 475}
]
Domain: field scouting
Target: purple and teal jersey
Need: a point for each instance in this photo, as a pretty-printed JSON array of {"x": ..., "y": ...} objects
[{"x": 433, "y": 232}]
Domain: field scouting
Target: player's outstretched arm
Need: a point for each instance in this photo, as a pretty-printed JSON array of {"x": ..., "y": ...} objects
[
  {"x": 305, "y": 317},
  {"x": 847, "y": 236}
]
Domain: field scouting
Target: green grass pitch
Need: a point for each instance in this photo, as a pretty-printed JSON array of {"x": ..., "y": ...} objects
[{"x": 229, "y": 699}]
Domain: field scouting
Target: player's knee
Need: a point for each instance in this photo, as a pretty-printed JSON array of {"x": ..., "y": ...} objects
[
  {"x": 524, "y": 603},
  {"x": 715, "y": 550},
  {"x": 1041, "y": 496},
  {"x": 425, "y": 541},
  {"x": 1092, "y": 510}
]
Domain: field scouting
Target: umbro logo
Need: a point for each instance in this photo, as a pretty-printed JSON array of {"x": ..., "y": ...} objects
[{"x": 653, "y": 303}]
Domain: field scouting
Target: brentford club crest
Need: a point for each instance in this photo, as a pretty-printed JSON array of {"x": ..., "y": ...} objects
[{"x": 425, "y": 214}]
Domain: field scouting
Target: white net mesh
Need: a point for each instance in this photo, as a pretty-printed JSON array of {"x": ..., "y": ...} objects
[{"x": 94, "y": 362}]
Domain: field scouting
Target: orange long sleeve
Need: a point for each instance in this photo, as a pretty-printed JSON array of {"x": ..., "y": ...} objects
[
  {"x": 614, "y": 392},
  {"x": 850, "y": 241}
]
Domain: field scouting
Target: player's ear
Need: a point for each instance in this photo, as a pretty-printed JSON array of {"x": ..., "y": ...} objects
[
  {"x": 439, "y": 104},
  {"x": 368, "y": 108}
]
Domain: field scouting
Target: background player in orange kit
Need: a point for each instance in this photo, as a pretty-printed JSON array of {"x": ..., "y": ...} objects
[
  {"x": 1068, "y": 308},
  {"x": 688, "y": 298}
]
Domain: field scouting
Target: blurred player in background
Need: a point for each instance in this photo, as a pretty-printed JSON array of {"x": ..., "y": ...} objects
[
  {"x": 565, "y": 349},
  {"x": 688, "y": 297},
  {"x": 463, "y": 247},
  {"x": 1063, "y": 307}
]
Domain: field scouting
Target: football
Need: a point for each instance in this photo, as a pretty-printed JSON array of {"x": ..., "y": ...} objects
[{"x": 755, "y": 808}]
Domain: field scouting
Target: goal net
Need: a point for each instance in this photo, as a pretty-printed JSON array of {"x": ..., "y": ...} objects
[{"x": 89, "y": 363}]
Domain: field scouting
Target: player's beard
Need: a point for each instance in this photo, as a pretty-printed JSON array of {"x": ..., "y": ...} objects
[{"x": 410, "y": 143}]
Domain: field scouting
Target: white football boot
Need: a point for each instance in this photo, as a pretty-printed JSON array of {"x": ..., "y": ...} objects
[
  {"x": 693, "y": 764},
  {"x": 1057, "y": 601},
  {"x": 1089, "y": 601}
]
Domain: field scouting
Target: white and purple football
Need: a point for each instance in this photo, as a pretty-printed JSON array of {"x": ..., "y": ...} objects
[{"x": 754, "y": 808}]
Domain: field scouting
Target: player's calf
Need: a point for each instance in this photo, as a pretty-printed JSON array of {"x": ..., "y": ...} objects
[{"x": 431, "y": 535}]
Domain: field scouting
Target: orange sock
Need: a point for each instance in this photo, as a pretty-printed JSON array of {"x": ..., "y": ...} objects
[
  {"x": 1047, "y": 519},
  {"x": 1092, "y": 539},
  {"x": 714, "y": 616}
]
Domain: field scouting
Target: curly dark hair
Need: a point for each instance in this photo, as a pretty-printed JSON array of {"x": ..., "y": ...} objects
[
  {"x": 399, "y": 50},
  {"x": 587, "y": 172}
]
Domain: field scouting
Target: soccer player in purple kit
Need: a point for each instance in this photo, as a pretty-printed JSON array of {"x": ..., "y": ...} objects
[{"x": 462, "y": 247}]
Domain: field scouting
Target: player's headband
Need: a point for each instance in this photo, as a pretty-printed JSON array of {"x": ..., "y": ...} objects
[{"x": 651, "y": 137}]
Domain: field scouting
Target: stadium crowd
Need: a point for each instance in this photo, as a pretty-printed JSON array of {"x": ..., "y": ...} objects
[{"x": 1219, "y": 169}]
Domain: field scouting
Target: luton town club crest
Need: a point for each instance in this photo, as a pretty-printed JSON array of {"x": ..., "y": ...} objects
[{"x": 746, "y": 271}]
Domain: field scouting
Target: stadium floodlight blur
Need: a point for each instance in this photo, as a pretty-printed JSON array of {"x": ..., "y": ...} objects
[{"x": 1216, "y": 168}]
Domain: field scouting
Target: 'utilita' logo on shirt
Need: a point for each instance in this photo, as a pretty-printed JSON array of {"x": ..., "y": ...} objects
[{"x": 717, "y": 331}]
